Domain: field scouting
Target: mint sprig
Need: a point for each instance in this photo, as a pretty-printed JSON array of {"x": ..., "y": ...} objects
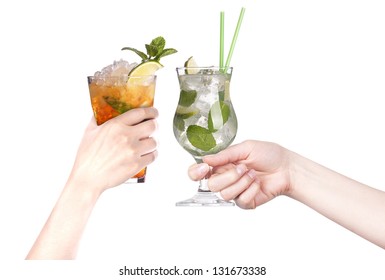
[{"x": 154, "y": 51}]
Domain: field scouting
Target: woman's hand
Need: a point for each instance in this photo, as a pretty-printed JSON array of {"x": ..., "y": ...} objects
[
  {"x": 108, "y": 155},
  {"x": 113, "y": 152},
  {"x": 251, "y": 173}
]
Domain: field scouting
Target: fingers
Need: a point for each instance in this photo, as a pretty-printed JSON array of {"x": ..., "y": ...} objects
[
  {"x": 226, "y": 176},
  {"x": 147, "y": 151},
  {"x": 149, "y": 158},
  {"x": 232, "y": 154},
  {"x": 146, "y": 128},
  {"x": 147, "y": 146},
  {"x": 236, "y": 182},
  {"x": 247, "y": 199},
  {"x": 238, "y": 187}
]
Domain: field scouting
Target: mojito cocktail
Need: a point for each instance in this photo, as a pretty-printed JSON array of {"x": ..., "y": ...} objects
[{"x": 205, "y": 121}]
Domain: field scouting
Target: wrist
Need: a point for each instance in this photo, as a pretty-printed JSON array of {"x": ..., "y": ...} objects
[
  {"x": 308, "y": 178},
  {"x": 299, "y": 173},
  {"x": 81, "y": 190}
]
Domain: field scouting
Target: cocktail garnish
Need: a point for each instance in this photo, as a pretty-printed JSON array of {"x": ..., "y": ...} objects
[
  {"x": 218, "y": 115},
  {"x": 200, "y": 137},
  {"x": 191, "y": 66},
  {"x": 155, "y": 50},
  {"x": 150, "y": 61},
  {"x": 119, "y": 106},
  {"x": 187, "y": 97}
]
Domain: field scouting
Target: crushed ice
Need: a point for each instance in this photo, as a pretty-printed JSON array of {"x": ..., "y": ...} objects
[{"x": 115, "y": 73}]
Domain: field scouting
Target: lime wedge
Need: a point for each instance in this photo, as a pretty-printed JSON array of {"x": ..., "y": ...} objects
[
  {"x": 191, "y": 66},
  {"x": 185, "y": 112},
  {"x": 147, "y": 68}
]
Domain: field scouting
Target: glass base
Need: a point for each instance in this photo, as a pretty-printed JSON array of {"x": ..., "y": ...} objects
[
  {"x": 136, "y": 180},
  {"x": 205, "y": 198}
]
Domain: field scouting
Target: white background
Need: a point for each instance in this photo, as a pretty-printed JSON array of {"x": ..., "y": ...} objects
[{"x": 309, "y": 75}]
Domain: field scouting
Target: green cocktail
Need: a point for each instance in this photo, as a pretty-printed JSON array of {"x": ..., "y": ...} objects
[{"x": 205, "y": 121}]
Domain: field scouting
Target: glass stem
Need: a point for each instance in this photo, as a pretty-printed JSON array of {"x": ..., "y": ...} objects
[
  {"x": 203, "y": 183},
  {"x": 203, "y": 187}
]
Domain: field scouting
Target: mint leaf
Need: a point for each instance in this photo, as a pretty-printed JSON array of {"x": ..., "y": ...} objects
[
  {"x": 151, "y": 50},
  {"x": 187, "y": 97},
  {"x": 116, "y": 104},
  {"x": 159, "y": 43},
  {"x": 200, "y": 137},
  {"x": 164, "y": 53},
  {"x": 141, "y": 54},
  {"x": 218, "y": 115}
]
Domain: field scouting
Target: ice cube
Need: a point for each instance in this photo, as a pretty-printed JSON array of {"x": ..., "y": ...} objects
[
  {"x": 191, "y": 82},
  {"x": 122, "y": 68},
  {"x": 115, "y": 73}
]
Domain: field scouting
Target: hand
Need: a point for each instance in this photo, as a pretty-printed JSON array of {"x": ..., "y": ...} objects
[
  {"x": 251, "y": 173},
  {"x": 108, "y": 155},
  {"x": 255, "y": 172},
  {"x": 113, "y": 152}
]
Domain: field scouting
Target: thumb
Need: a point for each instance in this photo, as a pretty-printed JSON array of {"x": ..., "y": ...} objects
[
  {"x": 197, "y": 172},
  {"x": 232, "y": 154},
  {"x": 137, "y": 115}
]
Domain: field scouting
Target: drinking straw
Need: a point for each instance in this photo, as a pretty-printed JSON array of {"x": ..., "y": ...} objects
[
  {"x": 221, "y": 38},
  {"x": 235, "y": 38}
]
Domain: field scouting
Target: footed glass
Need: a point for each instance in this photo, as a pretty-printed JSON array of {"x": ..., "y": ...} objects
[{"x": 205, "y": 121}]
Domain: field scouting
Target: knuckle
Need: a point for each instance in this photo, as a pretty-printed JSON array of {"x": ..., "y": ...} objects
[
  {"x": 231, "y": 176},
  {"x": 141, "y": 113},
  {"x": 115, "y": 127}
]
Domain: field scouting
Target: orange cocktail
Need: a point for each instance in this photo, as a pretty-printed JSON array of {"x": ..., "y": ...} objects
[{"x": 114, "y": 95}]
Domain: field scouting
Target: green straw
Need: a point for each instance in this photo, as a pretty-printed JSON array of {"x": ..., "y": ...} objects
[
  {"x": 221, "y": 39},
  {"x": 235, "y": 38}
]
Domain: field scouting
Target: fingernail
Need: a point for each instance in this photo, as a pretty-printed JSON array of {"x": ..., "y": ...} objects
[
  {"x": 241, "y": 169},
  {"x": 203, "y": 168}
]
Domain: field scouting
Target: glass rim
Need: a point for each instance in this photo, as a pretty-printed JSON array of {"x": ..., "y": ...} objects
[
  {"x": 121, "y": 76},
  {"x": 205, "y": 67}
]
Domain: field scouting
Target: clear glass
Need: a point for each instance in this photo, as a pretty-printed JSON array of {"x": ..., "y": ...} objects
[
  {"x": 112, "y": 96},
  {"x": 205, "y": 121}
]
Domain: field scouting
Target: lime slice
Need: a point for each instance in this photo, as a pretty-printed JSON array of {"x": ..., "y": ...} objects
[
  {"x": 191, "y": 66},
  {"x": 185, "y": 112},
  {"x": 147, "y": 68}
]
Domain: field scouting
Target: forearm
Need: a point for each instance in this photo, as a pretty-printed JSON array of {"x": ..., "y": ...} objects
[
  {"x": 349, "y": 203},
  {"x": 61, "y": 234}
]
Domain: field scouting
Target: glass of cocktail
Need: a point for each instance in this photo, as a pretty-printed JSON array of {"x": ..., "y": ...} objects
[
  {"x": 113, "y": 94},
  {"x": 123, "y": 86},
  {"x": 205, "y": 121}
]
